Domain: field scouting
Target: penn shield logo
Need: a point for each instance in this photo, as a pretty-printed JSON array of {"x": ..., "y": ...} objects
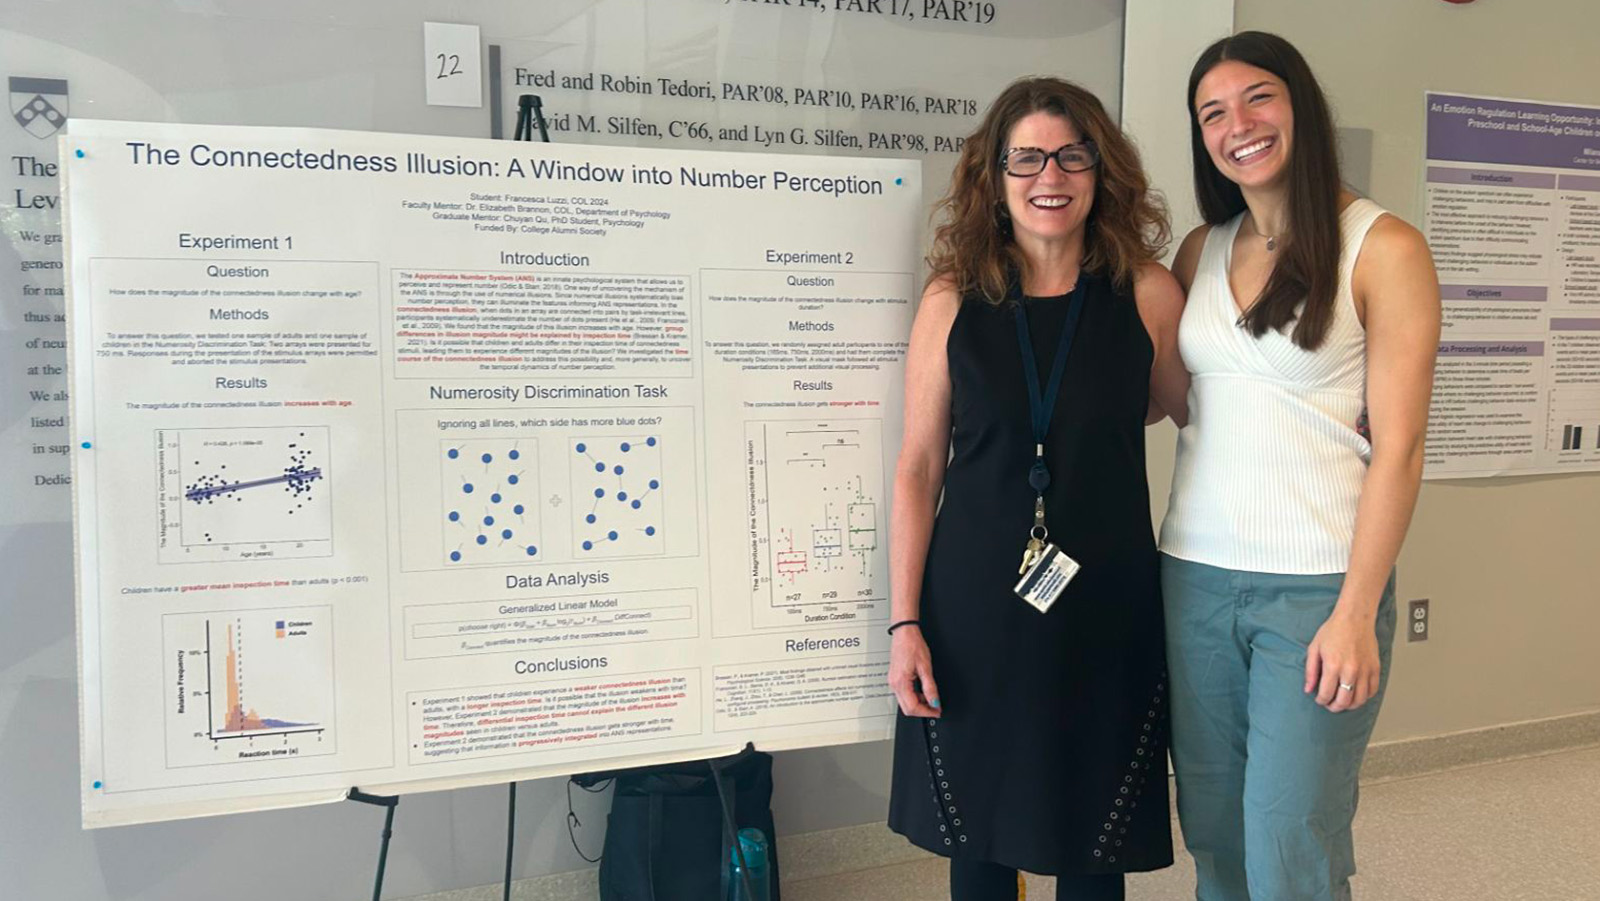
[{"x": 39, "y": 104}]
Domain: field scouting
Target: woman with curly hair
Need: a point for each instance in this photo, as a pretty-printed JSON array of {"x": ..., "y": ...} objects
[{"x": 1033, "y": 729}]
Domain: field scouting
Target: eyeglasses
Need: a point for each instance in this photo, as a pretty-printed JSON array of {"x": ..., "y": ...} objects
[{"x": 1025, "y": 162}]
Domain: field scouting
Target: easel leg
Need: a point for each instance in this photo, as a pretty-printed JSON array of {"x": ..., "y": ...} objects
[
  {"x": 511, "y": 835},
  {"x": 391, "y": 802}
]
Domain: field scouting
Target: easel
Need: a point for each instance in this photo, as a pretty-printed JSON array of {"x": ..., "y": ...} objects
[
  {"x": 528, "y": 115},
  {"x": 391, "y": 802}
]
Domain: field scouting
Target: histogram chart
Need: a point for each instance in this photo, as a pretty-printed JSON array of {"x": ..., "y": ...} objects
[
  {"x": 1573, "y": 420},
  {"x": 243, "y": 493},
  {"x": 255, "y": 685},
  {"x": 491, "y": 501},
  {"x": 816, "y": 524}
]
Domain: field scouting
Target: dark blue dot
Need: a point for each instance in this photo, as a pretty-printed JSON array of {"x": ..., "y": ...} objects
[
  {"x": 899, "y": 181},
  {"x": 599, "y": 492},
  {"x": 517, "y": 509},
  {"x": 454, "y": 516},
  {"x": 635, "y": 505},
  {"x": 588, "y": 545},
  {"x": 453, "y": 453},
  {"x": 467, "y": 488},
  {"x": 86, "y": 445},
  {"x": 488, "y": 458},
  {"x": 654, "y": 484},
  {"x": 455, "y": 555},
  {"x": 483, "y": 539},
  {"x": 516, "y": 454},
  {"x": 612, "y": 535},
  {"x": 649, "y": 530},
  {"x": 650, "y": 441},
  {"x": 622, "y": 495},
  {"x": 512, "y": 479},
  {"x": 97, "y": 782},
  {"x": 582, "y": 448},
  {"x": 495, "y": 497},
  {"x": 488, "y": 520},
  {"x": 599, "y": 467},
  {"x": 590, "y": 518},
  {"x": 618, "y": 470},
  {"x": 506, "y": 534},
  {"x": 532, "y": 550},
  {"x": 80, "y": 156},
  {"x": 626, "y": 447}
]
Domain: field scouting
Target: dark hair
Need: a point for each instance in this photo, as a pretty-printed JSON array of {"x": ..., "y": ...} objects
[
  {"x": 1307, "y": 268},
  {"x": 973, "y": 245}
]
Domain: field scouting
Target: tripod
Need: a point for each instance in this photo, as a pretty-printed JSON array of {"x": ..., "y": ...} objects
[{"x": 529, "y": 112}]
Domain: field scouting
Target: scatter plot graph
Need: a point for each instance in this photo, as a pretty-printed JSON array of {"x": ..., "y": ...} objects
[
  {"x": 617, "y": 491},
  {"x": 244, "y": 493},
  {"x": 491, "y": 501},
  {"x": 251, "y": 685},
  {"x": 816, "y": 492}
]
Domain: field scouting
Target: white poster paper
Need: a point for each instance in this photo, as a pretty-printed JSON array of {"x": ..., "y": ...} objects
[
  {"x": 408, "y": 462},
  {"x": 1513, "y": 208}
]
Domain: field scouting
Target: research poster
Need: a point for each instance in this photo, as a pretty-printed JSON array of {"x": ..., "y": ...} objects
[
  {"x": 408, "y": 462},
  {"x": 1513, "y": 218}
]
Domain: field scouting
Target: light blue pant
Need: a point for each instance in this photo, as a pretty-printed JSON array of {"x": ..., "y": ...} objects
[{"x": 1266, "y": 778}]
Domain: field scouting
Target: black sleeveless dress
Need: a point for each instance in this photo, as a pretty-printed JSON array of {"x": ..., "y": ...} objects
[{"x": 1050, "y": 755}]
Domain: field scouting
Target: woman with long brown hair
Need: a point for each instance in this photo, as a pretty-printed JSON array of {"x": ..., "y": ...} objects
[
  {"x": 1033, "y": 698},
  {"x": 1311, "y": 327}
]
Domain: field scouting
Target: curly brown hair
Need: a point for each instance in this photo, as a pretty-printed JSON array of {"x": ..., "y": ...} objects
[{"x": 972, "y": 244}]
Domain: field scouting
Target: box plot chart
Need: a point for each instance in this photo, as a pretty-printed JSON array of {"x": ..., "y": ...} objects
[
  {"x": 256, "y": 685},
  {"x": 617, "y": 490},
  {"x": 491, "y": 501},
  {"x": 815, "y": 493},
  {"x": 243, "y": 493}
]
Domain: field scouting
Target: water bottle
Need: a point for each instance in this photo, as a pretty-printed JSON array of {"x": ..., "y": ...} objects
[{"x": 754, "y": 845}]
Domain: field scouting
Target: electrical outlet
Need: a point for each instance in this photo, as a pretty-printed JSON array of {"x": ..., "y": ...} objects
[{"x": 1417, "y": 621}]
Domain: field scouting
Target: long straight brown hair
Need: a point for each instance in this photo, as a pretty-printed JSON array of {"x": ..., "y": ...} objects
[
  {"x": 972, "y": 243},
  {"x": 1305, "y": 279}
]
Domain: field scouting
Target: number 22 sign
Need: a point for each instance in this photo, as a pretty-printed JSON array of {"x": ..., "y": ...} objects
[{"x": 452, "y": 69}]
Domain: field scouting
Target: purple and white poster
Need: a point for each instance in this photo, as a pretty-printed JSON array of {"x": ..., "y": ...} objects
[{"x": 1513, "y": 217}]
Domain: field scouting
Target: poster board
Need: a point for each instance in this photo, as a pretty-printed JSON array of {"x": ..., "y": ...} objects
[
  {"x": 415, "y": 462},
  {"x": 1512, "y": 200}
]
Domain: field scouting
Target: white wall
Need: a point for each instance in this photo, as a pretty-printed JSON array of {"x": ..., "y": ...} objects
[
  {"x": 1161, "y": 43},
  {"x": 1515, "y": 607}
]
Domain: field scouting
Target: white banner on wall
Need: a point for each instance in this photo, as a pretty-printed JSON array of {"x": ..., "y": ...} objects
[{"x": 408, "y": 462}]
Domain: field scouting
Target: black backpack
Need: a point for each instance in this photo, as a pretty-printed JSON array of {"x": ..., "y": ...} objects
[{"x": 667, "y": 838}]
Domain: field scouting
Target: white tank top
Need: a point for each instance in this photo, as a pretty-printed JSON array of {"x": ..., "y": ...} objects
[{"x": 1270, "y": 467}]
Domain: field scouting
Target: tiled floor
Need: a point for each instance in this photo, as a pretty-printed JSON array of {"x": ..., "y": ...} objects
[{"x": 1522, "y": 830}]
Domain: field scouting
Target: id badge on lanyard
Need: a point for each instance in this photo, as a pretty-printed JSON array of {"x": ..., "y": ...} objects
[{"x": 1046, "y": 570}]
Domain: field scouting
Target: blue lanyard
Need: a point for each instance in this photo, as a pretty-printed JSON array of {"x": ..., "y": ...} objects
[{"x": 1043, "y": 404}]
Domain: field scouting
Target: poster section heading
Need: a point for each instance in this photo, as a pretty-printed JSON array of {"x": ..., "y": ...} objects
[
  {"x": 414, "y": 162},
  {"x": 407, "y": 480},
  {"x": 1512, "y": 199}
]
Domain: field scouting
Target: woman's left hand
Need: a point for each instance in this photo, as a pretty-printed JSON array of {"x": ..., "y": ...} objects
[{"x": 1343, "y": 653}]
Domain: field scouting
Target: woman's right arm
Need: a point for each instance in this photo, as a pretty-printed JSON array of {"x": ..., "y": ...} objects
[{"x": 918, "y": 480}]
